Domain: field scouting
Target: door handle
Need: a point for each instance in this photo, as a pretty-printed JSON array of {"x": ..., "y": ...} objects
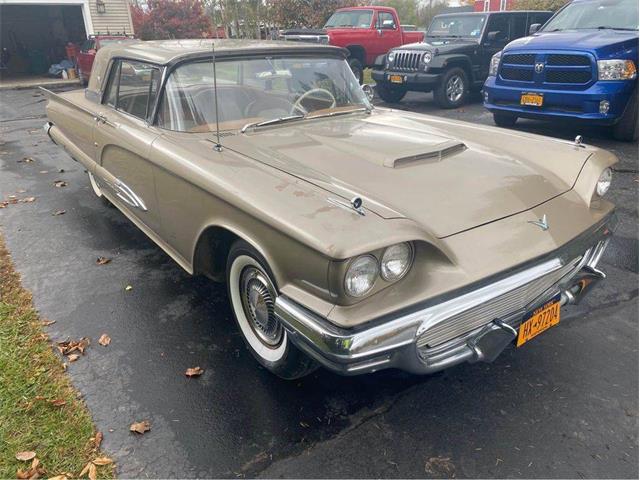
[{"x": 102, "y": 118}]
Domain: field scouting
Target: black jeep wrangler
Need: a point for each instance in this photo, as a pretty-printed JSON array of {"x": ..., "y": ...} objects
[{"x": 454, "y": 57}]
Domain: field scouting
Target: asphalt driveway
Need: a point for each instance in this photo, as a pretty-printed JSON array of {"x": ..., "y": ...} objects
[{"x": 566, "y": 405}]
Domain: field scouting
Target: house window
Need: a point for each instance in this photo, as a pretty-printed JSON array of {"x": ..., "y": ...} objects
[
  {"x": 487, "y": 5},
  {"x": 503, "y": 5}
]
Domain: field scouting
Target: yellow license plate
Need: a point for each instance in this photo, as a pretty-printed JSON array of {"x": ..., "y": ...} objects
[
  {"x": 396, "y": 78},
  {"x": 531, "y": 99},
  {"x": 539, "y": 320}
]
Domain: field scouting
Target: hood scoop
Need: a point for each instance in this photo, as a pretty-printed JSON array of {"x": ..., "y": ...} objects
[{"x": 435, "y": 153}]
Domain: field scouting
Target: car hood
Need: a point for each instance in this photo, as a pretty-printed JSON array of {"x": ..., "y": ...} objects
[
  {"x": 600, "y": 41},
  {"x": 441, "y": 46},
  {"x": 446, "y": 176}
]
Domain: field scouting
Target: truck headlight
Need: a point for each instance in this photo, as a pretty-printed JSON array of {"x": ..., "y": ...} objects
[
  {"x": 616, "y": 70},
  {"x": 427, "y": 57},
  {"x": 361, "y": 275},
  {"x": 495, "y": 63},
  {"x": 396, "y": 261},
  {"x": 604, "y": 182},
  {"x": 391, "y": 57}
]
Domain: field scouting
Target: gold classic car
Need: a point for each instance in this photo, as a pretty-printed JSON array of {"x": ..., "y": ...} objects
[{"x": 352, "y": 237}]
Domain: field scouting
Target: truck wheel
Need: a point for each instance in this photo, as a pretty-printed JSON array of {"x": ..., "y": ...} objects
[
  {"x": 357, "y": 69},
  {"x": 504, "y": 120},
  {"x": 390, "y": 94},
  {"x": 253, "y": 293},
  {"x": 453, "y": 89},
  {"x": 627, "y": 128}
]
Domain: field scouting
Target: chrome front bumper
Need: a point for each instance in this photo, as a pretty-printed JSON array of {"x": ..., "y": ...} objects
[{"x": 476, "y": 324}]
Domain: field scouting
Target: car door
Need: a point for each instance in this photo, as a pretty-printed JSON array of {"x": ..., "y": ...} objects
[
  {"x": 123, "y": 141},
  {"x": 495, "y": 38},
  {"x": 388, "y": 34}
]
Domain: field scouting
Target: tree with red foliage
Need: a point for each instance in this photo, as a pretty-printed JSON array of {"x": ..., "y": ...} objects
[{"x": 164, "y": 19}]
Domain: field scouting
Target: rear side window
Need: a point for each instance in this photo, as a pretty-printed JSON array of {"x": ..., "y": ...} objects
[
  {"x": 386, "y": 21},
  {"x": 133, "y": 87}
]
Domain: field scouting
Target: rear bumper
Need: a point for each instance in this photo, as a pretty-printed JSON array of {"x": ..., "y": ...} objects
[
  {"x": 453, "y": 330},
  {"x": 561, "y": 104},
  {"x": 418, "y": 81}
]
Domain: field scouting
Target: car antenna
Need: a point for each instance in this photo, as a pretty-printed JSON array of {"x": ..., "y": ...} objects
[{"x": 218, "y": 146}]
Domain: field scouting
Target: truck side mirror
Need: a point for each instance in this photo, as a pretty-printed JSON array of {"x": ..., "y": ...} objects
[{"x": 534, "y": 27}]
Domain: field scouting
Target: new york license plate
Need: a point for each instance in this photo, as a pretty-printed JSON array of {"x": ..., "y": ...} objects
[
  {"x": 540, "y": 320},
  {"x": 531, "y": 99},
  {"x": 396, "y": 78}
]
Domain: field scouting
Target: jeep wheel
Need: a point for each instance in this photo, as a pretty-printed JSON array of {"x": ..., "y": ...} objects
[
  {"x": 390, "y": 94},
  {"x": 357, "y": 69},
  {"x": 453, "y": 89},
  {"x": 504, "y": 120},
  {"x": 252, "y": 293},
  {"x": 627, "y": 127}
]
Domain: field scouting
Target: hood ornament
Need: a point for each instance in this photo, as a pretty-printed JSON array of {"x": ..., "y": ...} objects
[
  {"x": 354, "y": 205},
  {"x": 542, "y": 223}
]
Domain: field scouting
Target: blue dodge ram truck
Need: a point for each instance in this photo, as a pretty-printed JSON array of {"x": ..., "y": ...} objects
[{"x": 581, "y": 65}]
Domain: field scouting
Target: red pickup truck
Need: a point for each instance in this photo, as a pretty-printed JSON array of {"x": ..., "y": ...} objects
[
  {"x": 88, "y": 50},
  {"x": 367, "y": 32}
]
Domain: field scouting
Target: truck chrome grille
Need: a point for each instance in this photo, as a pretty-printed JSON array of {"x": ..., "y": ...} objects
[
  {"x": 407, "y": 61},
  {"x": 510, "y": 303}
]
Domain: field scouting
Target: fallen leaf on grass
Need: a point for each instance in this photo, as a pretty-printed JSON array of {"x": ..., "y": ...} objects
[
  {"x": 194, "y": 372},
  {"x": 59, "y": 212},
  {"x": 104, "y": 340},
  {"x": 59, "y": 183},
  {"x": 35, "y": 471},
  {"x": 25, "y": 456},
  {"x": 59, "y": 477},
  {"x": 100, "y": 461},
  {"x": 93, "y": 471},
  {"x": 73, "y": 357},
  {"x": 140, "y": 427},
  {"x": 97, "y": 441},
  {"x": 103, "y": 260},
  {"x": 58, "y": 402}
]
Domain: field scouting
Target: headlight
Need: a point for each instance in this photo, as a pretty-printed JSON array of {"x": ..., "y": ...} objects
[
  {"x": 604, "y": 182},
  {"x": 396, "y": 261},
  {"x": 493, "y": 66},
  {"x": 427, "y": 57},
  {"x": 361, "y": 275},
  {"x": 391, "y": 57},
  {"x": 616, "y": 70}
]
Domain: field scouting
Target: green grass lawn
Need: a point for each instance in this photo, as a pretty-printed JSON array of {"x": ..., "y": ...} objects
[
  {"x": 366, "y": 76},
  {"x": 39, "y": 409}
]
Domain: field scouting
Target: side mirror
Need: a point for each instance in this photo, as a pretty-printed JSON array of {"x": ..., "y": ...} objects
[
  {"x": 496, "y": 36},
  {"x": 534, "y": 27},
  {"x": 388, "y": 25},
  {"x": 368, "y": 91}
]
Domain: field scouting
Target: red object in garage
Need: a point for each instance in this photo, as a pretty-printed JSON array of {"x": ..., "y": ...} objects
[
  {"x": 87, "y": 52},
  {"x": 72, "y": 51}
]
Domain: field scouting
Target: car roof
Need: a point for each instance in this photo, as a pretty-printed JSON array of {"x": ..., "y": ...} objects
[
  {"x": 165, "y": 52},
  {"x": 504, "y": 12}
]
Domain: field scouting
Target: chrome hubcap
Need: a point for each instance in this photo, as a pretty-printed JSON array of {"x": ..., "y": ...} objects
[
  {"x": 258, "y": 301},
  {"x": 455, "y": 88}
]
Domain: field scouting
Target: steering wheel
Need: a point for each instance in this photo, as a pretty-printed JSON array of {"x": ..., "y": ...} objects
[{"x": 298, "y": 103}]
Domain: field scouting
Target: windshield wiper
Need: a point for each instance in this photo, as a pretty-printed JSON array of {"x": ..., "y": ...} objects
[
  {"x": 340, "y": 112},
  {"x": 273, "y": 121}
]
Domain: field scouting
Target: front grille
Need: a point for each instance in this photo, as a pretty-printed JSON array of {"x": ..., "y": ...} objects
[
  {"x": 565, "y": 60},
  {"x": 568, "y": 76},
  {"x": 512, "y": 302},
  {"x": 520, "y": 59},
  {"x": 407, "y": 60},
  {"x": 518, "y": 74}
]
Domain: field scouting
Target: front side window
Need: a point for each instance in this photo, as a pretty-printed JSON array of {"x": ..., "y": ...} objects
[
  {"x": 457, "y": 26},
  {"x": 132, "y": 87},
  {"x": 596, "y": 14},
  {"x": 257, "y": 90},
  {"x": 350, "y": 19},
  {"x": 500, "y": 25}
]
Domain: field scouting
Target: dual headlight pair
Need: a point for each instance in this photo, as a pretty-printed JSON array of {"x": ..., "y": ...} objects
[{"x": 364, "y": 270}]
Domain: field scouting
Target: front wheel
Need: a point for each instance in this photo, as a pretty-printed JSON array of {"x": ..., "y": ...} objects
[
  {"x": 390, "y": 94},
  {"x": 504, "y": 120},
  {"x": 453, "y": 90},
  {"x": 253, "y": 294},
  {"x": 357, "y": 69}
]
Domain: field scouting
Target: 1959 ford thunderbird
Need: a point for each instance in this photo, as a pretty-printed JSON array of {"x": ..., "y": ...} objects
[{"x": 352, "y": 237}]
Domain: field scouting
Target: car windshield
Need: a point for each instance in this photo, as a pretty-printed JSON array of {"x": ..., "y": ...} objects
[
  {"x": 350, "y": 18},
  {"x": 596, "y": 14},
  {"x": 457, "y": 26},
  {"x": 258, "y": 90}
]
